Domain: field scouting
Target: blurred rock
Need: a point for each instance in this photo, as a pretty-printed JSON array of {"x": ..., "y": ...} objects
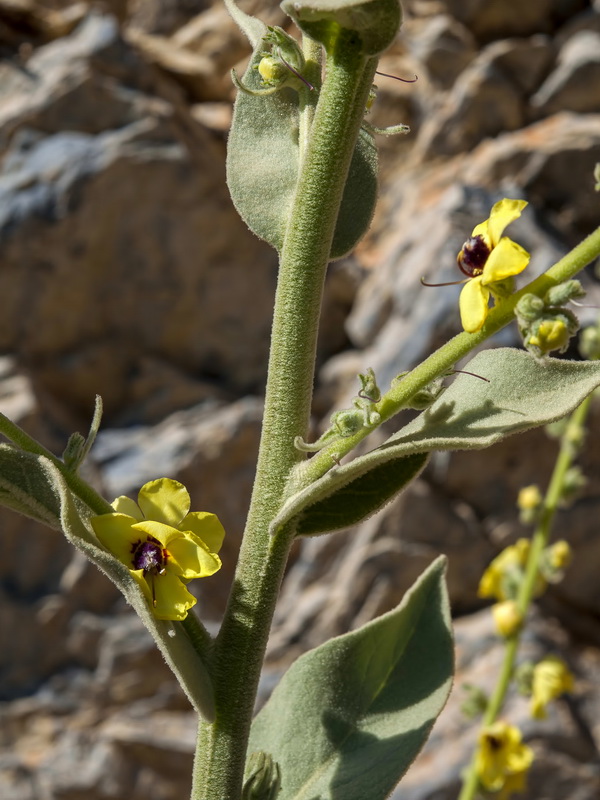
[
  {"x": 442, "y": 45},
  {"x": 575, "y": 83},
  {"x": 134, "y": 195},
  {"x": 127, "y": 272},
  {"x": 494, "y": 19}
]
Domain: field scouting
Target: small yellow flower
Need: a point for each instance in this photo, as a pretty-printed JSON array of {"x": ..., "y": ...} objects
[
  {"x": 551, "y": 334},
  {"x": 507, "y": 617},
  {"x": 488, "y": 258},
  {"x": 530, "y": 498},
  {"x": 551, "y": 678},
  {"x": 560, "y": 555},
  {"x": 162, "y": 544},
  {"x": 511, "y": 559},
  {"x": 502, "y": 759}
]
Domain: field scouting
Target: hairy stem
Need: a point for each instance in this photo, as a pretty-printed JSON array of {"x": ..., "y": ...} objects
[{"x": 239, "y": 648}]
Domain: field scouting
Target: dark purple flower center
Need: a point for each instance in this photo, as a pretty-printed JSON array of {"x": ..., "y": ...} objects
[
  {"x": 149, "y": 555},
  {"x": 471, "y": 259}
]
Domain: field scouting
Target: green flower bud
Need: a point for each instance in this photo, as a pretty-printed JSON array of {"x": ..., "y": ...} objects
[
  {"x": 529, "y": 308},
  {"x": 74, "y": 451},
  {"x": 563, "y": 293},
  {"x": 263, "y": 781},
  {"x": 589, "y": 342},
  {"x": 476, "y": 702},
  {"x": 422, "y": 399},
  {"x": 348, "y": 421},
  {"x": 369, "y": 387}
]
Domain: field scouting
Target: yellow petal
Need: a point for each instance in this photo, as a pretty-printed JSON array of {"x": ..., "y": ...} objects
[
  {"x": 191, "y": 558},
  {"x": 207, "y": 527},
  {"x": 173, "y": 600},
  {"x": 482, "y": 230},
  {"x": 506, "y": 259},
  {"x": 473, "y": 305},
  {"x": 161, "y": 532},
  {"x": 125, "y": 505},
  {"x": 164, "y": 500},
  {"x": 117, "y": 534},
  {"x": 502, "y": 214}
]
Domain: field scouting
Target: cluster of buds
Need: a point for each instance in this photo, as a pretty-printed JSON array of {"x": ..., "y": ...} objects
[
  {"x": 544, "y": 323},
  {"x": 503, "y": 578},
  {"x": 348, "y": 421},
  {"x": 543, "y": 682}
]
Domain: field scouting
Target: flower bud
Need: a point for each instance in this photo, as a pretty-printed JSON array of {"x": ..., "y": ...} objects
[
  {"x": 564, "y": 292},
  {"x": 551, "y": 678},
  {"x": 549, "y": 335},
  {"x": 529, "y": 503},
  {"x": 263, "y": 780},
  {"x": 589, "y": 342},
  {"x": 529, "y": 308},
  {"x": 507, "y": 617}
]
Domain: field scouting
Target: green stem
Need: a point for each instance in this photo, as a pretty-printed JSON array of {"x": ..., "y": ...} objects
[
  {"x": 240, "y": 646},
  {"x": 83, "y": 490},
  {"x": 444, "y": 359},
  {"x": 539, "y": 541}
]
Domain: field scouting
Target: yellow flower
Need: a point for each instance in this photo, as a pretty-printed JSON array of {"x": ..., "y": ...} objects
[
  {"x": 560, "y": 555},
  {"x": 507, "y": 617},
  {"x": 502, "y": 759},
  {"x": 510, "y": 560},
  {"x": 162, "y": 544},
  {"x": 551, "y": 678},
  {"x": 530, "y": 498},
  {"x": 488, "y": 258},
  {"x": 551, "y": 334}
]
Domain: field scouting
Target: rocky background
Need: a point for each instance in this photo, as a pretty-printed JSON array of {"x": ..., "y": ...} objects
[{"x": 126, "y": 272}]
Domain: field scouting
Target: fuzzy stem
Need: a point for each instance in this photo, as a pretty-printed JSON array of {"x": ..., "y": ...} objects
[
  {"x": 539, "y": 541},
  {"x": 240, "y": 645}
]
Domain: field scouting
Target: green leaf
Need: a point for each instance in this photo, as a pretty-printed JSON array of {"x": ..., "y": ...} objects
[
  {"x": 253, "y": 28},
  {"x": 348, "y": 718},
  {"x": 362, "y": 497},
  {"x": 24, "y": 486},
  {"x": 360, "y": 197},
  {"x": 263, "y": 158},
  {"x": 471, "y": 414},
  {"x": 522, "y": 393},
  {"x": 375, "y": 22}
]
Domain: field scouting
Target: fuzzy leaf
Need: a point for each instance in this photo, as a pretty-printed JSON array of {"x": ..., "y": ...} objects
[
  {"x": 362, "y": 497},
  {"x": 263, "y": 157},
  {"x": 471, "y": 414},
  {"x": 262, "y": 168},
  {"x": 25, "y": 488},
  {"x": 348, "y": 718},
  {"x": 522, "y": 393}
]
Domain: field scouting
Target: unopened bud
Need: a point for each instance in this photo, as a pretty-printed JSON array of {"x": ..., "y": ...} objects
[
  {"x": 263, "y": 780},
  {"x": 507, "y": 617}
]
